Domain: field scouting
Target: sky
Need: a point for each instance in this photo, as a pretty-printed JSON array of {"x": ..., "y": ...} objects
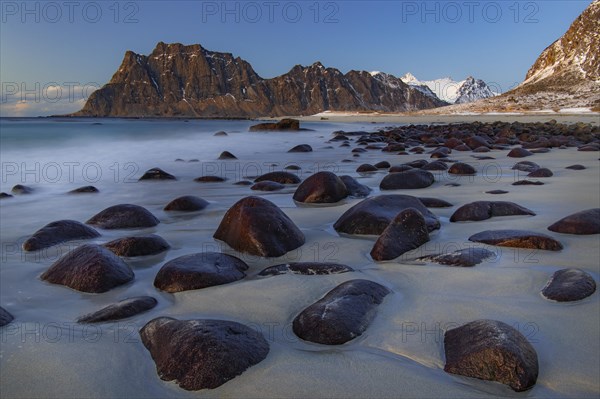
[{"x": 53, "y": 54}]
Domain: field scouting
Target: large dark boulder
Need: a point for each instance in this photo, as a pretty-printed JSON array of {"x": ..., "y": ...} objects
[
  {"x": 482, "y": 210},
  {"x": 120, "y": 310},
  {"x": 541, "y": 172},
  {"x": 301, "y": 148},
  {"x": 89, "y": 268},
  {"x": 5, "y": 317},
  {"x": 321, "y": 188},
  {"x": 57, "y": 232},
  {"x": 584, "y": 222},
  {"x": 279, "y": 177},
  {"x": 373, "y": 215},
  {"x": 138, "y": 246},
  {"x": 491, "y": 350},
  {"x": 517, "y": 239},
  {"x": 226, "y": 155},
  {"x": 569, "y": 285},
  {"x": 85, "y": 190},
  {"x": 408, "y": 180},
  {"x": 306, "y": 268},
  {"x": 257, "y": 226},
  {"x": 20, "y": 189},
  {"x": 355, "y": 189},
  {"x": 187, "y": 203},
  {"x": 462, "y": 169},
  {"x": 157, "y": 174},
  {"x": 519, "y": 153},
  {"x": 343, "y": 314},
  {"x": 201, "y": 270},
  {"x": 124, "y": 216},
  {"x": 202, "y": 354},
  {"x": 406, "y": 232}
]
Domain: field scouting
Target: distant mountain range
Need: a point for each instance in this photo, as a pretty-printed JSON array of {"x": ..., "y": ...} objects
[
  {"x": 451, "y": 91},
  {"x": 190, "y": 81}
]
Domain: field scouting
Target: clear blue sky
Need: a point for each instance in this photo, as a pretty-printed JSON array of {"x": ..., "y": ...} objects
[{"x": 84, "y": 41}]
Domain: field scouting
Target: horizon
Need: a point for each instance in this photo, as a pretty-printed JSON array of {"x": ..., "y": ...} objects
[{"x": 496, "y": 41}]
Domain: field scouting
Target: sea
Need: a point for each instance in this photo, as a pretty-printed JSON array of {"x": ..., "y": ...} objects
[{"x": 45, "y": 353}]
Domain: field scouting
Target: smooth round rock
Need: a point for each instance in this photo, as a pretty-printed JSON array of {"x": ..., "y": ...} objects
[
  {"x": 210, "y": 179},
  {"x": 301, "y": 148},
  {"x": 409, "y": 180},
  {"x": 576, "y": 167},
  {"x": 20, "y": 189},
  {"x": 496, "y": 192},
  {"x": 482, "y": 210},
  {"x": 157, "y": 174},
  {"x": 257, "y": 226},
  {"x": 528, "y": 183},
  {"x": 581, "y": 223},
  {"x": 366, "y": 168},
  {"x": 462, "y": 169},
  {"x": 306, "y": 268},
  {"x": 372, "y": 215},
  {"x": 227, "y": 155},
  {"x": 321, "y": 188},
  {"x": 517, "y": 239},
  {"x": 84, "y": 190},
  {"x": 200, "y": 270},
  {"x": 202, "y": 354},
  {"x": 4, "y": 195},
  {"x": 407, "y": 231},
  {"x": 58, "y": 232},
  {"x": 187, "y": 203},
  {"x": 279, "y": 177},
  {"x": 519, "y": 153},
  {"x": 526, "y": 166},
  {"x": 120, "y": 310},
  {"x": 124, "y": 216},
  {"x": 137, "y": 246},
  {"x": 466, "y": 257},
  {"x": 343, "y": 314},
  {"x": 435, "y": 202},
  {"x": 569, "y": 285},
  {"x": 89, "y": 268},
  {"x": 267, "y": 186},
  {"x": 382, "y": 165},
  {"x": 491, "y": 350},
  {"x": 354, "y": 188},
  {"x": 541, "y": 172}
]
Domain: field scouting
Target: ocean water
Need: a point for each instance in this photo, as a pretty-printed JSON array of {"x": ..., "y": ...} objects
[{"x": 45, "y": 353}]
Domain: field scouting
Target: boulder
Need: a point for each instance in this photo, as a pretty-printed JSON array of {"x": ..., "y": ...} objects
[
  {"x": 366, "y": 168},
  {"x": 84, "y": 190},
  {"x": 343, "y": 314},
  {"x": 279, "y": 177},
  {"x": 491, "y": 350},
  {"x": 120, "y": 310},
  {"x": 435, "y": 202},
  {"x": 267, "y": 186},
  {"x": 409, "y": 180},
  {"x": 406, "y": 232},
  {"x": 257, "y": 226},
  {"x": 5, "y": 317},
  {"x": 20, "y": 189},
  {"x": 226, "y": 155},
  {"x": 89, "y": 268},
  {"x": 288, "y": 125},
  {"x": 584, "y": 222},
  {"x": 202, "y": 354},
  {"x": 541, "y": 172},
  {"x": 372, "y": 215},
  {"x": 517, "y": 239},
  {"x": 200, "y": 270},
  {"x": 354, "y": 188},
  {"x": 321, "y": 188},
  {"x": 157, "y": 174},
  {"x": 124, "y": 216},
  {"x": 301, "y": 148},
  {"x": 482, "y": 210},
  {"x": 58, "y": 232},
  {"x": 569, "y": 285},
  {"x": 137, "y": 246},
  {"x": 466, "y": 257},
  {"x": 187, "y": 203},
  {"x": 462, "y": 169},
  {"x": 519, "y": 153}
]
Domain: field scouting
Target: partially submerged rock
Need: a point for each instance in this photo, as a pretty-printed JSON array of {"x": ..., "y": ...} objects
[
  {"x": 89, "y": 268},
  {"x": 584, "y": 222},
  {"x": 491, "y": 350},
  {"x": 5, "y": 317},
  {"x": 58, "y": 232},
  {"x": 466, "y": 257},
  {"x": 124, "y": 216},
  {"x": 306, "y": 268},
  {"x": 517, "y": 239},
  {"x": 120, "y": 310},
  {"x": 482, "y": 210},
  {"x": 320, "y": 188},
  {"x": 202, "y": 354},
  {"x": 354, "y": 188},
  {"x": 343, "y": 314},
  {"x": 157, "y": 174},
  {"x": 186, "y": 203},
  {"x": 569, "y": 285},
  {"x": 407, "y": 231},
  {"x": 200, "y": 270},
  {"x": 138, "y": 246},
  {"x": 408, "y": 180},
  {"x": 279, "y": 177}
]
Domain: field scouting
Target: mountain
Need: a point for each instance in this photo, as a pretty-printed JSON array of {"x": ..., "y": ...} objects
[
  {"x": 566, "y": 75},
  {"x": 451, "y": 91},
  {"x": 189, "y": 81}
]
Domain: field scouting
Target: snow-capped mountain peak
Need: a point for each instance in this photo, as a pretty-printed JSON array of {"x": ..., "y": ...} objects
[{"x": 452, "y": 91}]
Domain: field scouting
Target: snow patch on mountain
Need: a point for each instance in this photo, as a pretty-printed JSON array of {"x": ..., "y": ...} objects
[{"x": 452, "y": 91}]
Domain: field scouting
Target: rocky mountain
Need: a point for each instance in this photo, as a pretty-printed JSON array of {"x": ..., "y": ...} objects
[
  {"x": 451, "y": 91},
  {"x": 565, "y": 76},
  {"x": 190, "y": 81}
]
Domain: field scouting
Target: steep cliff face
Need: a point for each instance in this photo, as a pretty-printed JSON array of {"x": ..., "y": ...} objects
[{"x": 190, "y": 81}]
